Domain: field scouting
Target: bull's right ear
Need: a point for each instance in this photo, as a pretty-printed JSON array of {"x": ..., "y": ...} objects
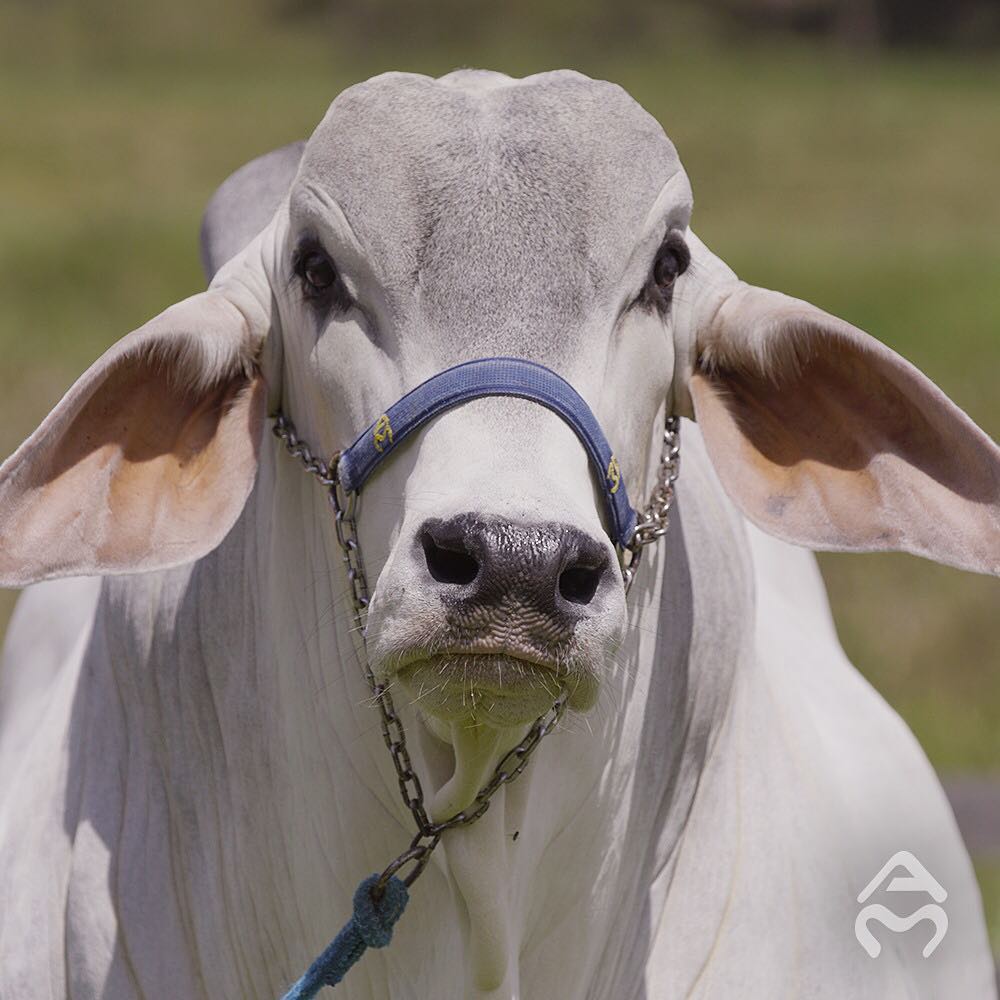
[{"x": 148, "y": 460}]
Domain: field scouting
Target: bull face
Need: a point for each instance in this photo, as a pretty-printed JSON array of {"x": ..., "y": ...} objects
[{"x": 435, "y": 222}]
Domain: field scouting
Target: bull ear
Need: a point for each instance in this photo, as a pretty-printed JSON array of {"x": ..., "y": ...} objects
[
  {"x": 147, "y": 461},
  {"x": 826, "y": 438}
]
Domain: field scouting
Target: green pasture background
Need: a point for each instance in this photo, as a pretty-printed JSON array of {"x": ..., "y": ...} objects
[{"x": 867, "y": 180}]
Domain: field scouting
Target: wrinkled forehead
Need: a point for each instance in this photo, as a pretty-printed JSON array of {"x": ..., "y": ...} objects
[{"x": 479, "y": 179}]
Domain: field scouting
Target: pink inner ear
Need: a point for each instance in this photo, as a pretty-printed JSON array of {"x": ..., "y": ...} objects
[
  {"x": 852, "y": 448},
  {"x": 147, "y": 473}
]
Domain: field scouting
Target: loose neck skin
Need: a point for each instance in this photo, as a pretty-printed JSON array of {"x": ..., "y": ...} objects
[{"x": 277, "y": 794}]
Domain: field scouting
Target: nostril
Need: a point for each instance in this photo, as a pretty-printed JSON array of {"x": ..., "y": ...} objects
[
  {"x": 578, "y": 584},
  {"x": 448, "y": 565}
]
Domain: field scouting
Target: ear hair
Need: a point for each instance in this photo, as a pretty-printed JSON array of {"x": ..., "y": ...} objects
[
  {"x": 778, "y": 348},
  {"x": 199, "y": 364}
]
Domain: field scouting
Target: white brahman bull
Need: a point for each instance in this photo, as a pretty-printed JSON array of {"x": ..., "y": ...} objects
[{"x": 193, "y": 777}]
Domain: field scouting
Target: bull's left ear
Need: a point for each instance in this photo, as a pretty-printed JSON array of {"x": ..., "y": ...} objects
[{"x": 825, "y": 437}]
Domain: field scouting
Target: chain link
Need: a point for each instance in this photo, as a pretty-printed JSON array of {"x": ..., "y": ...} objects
[
  {"x": 652, "y": 525},
  {"x": 428, "y": 834},
  {"x": 654, "y": 521},
  {"x": 285, "y": 432}
]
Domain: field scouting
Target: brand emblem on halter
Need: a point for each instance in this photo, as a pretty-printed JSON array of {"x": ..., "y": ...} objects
[
  {"x": 614, "y": 475},
  {"x": 382, "y": 433}
]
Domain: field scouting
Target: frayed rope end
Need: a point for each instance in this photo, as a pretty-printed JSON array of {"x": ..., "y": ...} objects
[{"x": 370, "y": 926}]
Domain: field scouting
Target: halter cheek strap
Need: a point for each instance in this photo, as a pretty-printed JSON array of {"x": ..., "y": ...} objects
[{"x": 493, "y": 377}]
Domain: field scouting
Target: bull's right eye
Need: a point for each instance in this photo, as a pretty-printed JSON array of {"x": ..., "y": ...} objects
[
  {"x": 318, "y": 271},
  {"x": 321, "y": 284}
]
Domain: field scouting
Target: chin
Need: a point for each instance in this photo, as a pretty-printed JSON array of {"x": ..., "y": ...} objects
[{"x": 497, "y": 690}]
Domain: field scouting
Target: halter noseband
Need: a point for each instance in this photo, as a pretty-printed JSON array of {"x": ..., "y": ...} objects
[{"x": 493, "y": 377}]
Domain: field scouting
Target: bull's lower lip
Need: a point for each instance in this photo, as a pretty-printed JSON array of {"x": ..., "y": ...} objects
[
  {"x": 495, "y": 688},
  {"x": 494, "y": 671}
]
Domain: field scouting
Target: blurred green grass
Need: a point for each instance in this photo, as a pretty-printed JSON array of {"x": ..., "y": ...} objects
[{"x": 867, "y": 185}]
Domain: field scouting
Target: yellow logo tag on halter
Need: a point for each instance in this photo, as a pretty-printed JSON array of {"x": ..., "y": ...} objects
[
  {"x": 614, "y": 475},
  {"x": 382, "y": 432}
]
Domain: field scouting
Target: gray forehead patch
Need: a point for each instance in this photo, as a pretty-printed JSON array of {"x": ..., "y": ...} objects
[{"x": 484, "y": 189}]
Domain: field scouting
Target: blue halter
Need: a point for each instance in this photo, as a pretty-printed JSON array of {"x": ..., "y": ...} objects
[{"x": 493, "y": 377}]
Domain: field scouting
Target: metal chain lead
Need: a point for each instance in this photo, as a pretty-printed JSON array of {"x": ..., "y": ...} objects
[
  {"x": 652, "y": 525},
  {"x": 514, "y": 761},
  {"x": 655, "y": 519}
]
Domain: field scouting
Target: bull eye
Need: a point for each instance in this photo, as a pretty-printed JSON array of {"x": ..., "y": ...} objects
[
  {"x": 318, "y": 270},
  {"x": 671, "y": 262},
  {"x": 318, "y": 276}
]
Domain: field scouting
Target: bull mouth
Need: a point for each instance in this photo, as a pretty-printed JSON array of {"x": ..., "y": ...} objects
[{"x": 497, "y": 687}]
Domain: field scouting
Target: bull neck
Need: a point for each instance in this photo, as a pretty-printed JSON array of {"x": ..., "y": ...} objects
[{"x": 298, "y": 799}]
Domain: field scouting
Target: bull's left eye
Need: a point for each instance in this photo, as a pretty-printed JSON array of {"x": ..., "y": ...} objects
[{"x": 671, "y": 261}]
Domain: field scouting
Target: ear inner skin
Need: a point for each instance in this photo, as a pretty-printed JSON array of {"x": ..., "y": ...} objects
[
  {"x": 147, "y": 461},
  {"x": 828, "y": 439}
]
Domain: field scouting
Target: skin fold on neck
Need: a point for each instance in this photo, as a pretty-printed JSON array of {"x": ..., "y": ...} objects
[{"x": 296, "y": 798}]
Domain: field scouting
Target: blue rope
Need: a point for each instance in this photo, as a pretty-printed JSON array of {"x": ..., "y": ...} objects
[{"x": 369, "y": 927}]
